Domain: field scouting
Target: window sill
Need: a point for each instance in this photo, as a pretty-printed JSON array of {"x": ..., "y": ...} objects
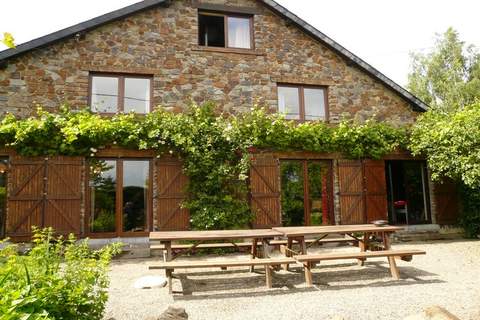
[{"x": 252, "y": 52}]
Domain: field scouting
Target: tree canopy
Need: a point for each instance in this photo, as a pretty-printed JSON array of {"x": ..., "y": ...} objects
[{"x": 448, "y": 77}]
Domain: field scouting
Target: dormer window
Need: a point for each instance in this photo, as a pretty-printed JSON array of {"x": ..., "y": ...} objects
[{"x": 225, "y": 30}]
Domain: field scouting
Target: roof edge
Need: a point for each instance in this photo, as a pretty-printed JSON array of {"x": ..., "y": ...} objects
[
  {"x": 80, "y": 28},
  {"x": 416, "y": 103}
]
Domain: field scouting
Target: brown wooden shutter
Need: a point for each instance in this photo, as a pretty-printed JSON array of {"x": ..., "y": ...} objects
[
  {"x": 376, "y": 203},
  {"x": 352, "y": 200},
  {"x": 171, "y": 184},
  {"x": 445, "y": 198},
  {"x": 44, "y": 192},
  {"x": 265, "y": 192}
]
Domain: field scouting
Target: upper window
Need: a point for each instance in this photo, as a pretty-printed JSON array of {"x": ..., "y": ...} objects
[
  {"x": 302, "y": 102},
  {"x": 120, "y": 93},
  {"x": 225, "y": 31}
]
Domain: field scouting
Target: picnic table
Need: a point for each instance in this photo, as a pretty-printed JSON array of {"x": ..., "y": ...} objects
[
  {"x": 298, "y": 235},
  {"x": 200, "y": 237}
]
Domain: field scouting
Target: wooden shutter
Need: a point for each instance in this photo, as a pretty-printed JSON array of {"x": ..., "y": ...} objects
[
  {"x": 171, "y": 184},
  {"x": 352, "y": 200},
  {"x": 445, "y": 198},
  {"x": 44, "y": 192},
  {"x": 265, "y": 192},
  {"x": 376, "y": 203}
]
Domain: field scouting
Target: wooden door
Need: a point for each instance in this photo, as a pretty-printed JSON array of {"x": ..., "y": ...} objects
[
  {"x": 376, "y": 202},
  {"x": 351, "y": 191},
  {"x": 171, "y": 184},
  {"x": 44, "y": 192},
  {"x": 446, "y": 202},
  {"x": 265, "y": 192}
]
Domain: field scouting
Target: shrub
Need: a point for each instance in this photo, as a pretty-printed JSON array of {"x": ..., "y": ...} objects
[
  {"x": 470, "y": 219},
  {"x": 56, "y": 279}
]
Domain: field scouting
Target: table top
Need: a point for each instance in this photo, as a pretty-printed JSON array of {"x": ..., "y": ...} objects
[
  {"x": 303, "y": 231},
  {"x": 214, "y": 234}
]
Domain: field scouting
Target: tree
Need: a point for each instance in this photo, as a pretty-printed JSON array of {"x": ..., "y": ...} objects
[
  {"x": 8, "y": 40},
  {"x": 447, "y": 78}
]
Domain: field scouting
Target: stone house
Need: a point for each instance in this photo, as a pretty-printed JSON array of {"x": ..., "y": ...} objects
[{"x": 236, "y": 53}]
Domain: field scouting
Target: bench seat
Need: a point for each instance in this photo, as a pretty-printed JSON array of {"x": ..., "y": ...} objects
[
  {"x": 170, "y": 266},
  {"x": 309, "y": 259}
]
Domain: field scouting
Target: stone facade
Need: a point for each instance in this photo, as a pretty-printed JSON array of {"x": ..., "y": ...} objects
[{"x": 163, "y": 42}]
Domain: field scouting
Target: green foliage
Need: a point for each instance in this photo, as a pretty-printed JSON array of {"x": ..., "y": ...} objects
[
  {"x": 8, "y": 40},
  {"x": 56, "y": 279},
  {"x": 470, "y": 219},
  {"x": 448, "y": 78},
  {"x": 214, "y": 147},
  {"x": 451, "y": 142}
]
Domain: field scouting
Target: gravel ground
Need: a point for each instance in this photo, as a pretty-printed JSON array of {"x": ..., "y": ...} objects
[{"x": 448, "y": 276}]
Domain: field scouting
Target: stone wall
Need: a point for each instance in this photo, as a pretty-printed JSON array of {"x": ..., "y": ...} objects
[{"x": 163, "y": 42}]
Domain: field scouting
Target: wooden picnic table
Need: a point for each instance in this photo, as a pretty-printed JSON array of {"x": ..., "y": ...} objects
[
  {"x": 298, "y": 234},
  {"x": 199, "y": 237}
]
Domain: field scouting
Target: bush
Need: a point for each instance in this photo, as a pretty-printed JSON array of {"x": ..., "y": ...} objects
[
  {"x": 470, "y": 219},
  {"x": 56, "y": 279}
]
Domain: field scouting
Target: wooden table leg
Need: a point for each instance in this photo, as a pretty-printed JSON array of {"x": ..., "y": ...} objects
[
  {"x": 168, "y": 251},
  {"x": 268, "y": 276},
  {"x": 308, "y": 274},
  {"x": 288, "y": 253},
  {"x": 253, "y": 252},
  {"x": 265, "y": 248},
  {"x": 363, "y": 245},
  {"x": 386, "y": 240}
]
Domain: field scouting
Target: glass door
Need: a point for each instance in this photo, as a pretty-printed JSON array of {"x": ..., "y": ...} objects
[
  {"x": 306, "y": 192},
  {"x": 408, "y": 196}
]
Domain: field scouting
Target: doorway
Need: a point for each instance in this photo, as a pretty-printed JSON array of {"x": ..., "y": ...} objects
[
  {"x": 306, "y": 192},
  {"x": 407, "y": 192}
]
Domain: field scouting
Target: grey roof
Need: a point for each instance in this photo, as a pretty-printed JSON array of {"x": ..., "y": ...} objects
[{"x": 80, "y": 28}]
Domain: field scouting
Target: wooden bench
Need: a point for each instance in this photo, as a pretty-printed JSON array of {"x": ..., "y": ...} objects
[
  {"x": 169, "y": 267},
  {"x": 309, "y": 259}
]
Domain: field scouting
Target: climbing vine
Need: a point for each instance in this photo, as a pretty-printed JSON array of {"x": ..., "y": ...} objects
[{"x": 213, "y": 146}]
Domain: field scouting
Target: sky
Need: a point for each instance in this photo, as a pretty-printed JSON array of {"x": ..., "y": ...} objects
[{"x": 382, "y": 33}]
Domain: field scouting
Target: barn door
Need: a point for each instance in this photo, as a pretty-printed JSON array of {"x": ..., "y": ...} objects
[
  {"x": 446, "y": 202},
  {"x": 351, "y": 192},
  {"x": 44, "y": 192},
  {"x": 171, "y": 184},
  {"x": 376, "y": 202},
  {"x": 265, "y": 192}
]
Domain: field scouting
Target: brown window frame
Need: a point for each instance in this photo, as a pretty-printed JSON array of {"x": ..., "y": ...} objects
[
  {"x": 119, "y": 200},
  {"x": 121, "y": 89},
  {"x": 307, "y": 213},
  {"x": 301, "y": 96},
  {"x": 225, "y": 16}
]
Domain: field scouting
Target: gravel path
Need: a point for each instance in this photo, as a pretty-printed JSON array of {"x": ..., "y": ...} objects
[{"x": 448, "y": 276}]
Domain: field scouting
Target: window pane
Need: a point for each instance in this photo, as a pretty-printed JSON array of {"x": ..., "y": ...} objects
[
  {"x": 103, "y": 183},
  {"x": 137, "y": 95},
  {"x": 292, "y": 193},
  {"x": 314, "y": 104},
  {"x": 318, "y": 192},
  {"x": 104, "y": 94},
  {"x": 135, "y": 195},
  {"x": 288, "y": 102},
  {"x": 239, "y": 33},
  {"x": 211, "y": 30}
]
